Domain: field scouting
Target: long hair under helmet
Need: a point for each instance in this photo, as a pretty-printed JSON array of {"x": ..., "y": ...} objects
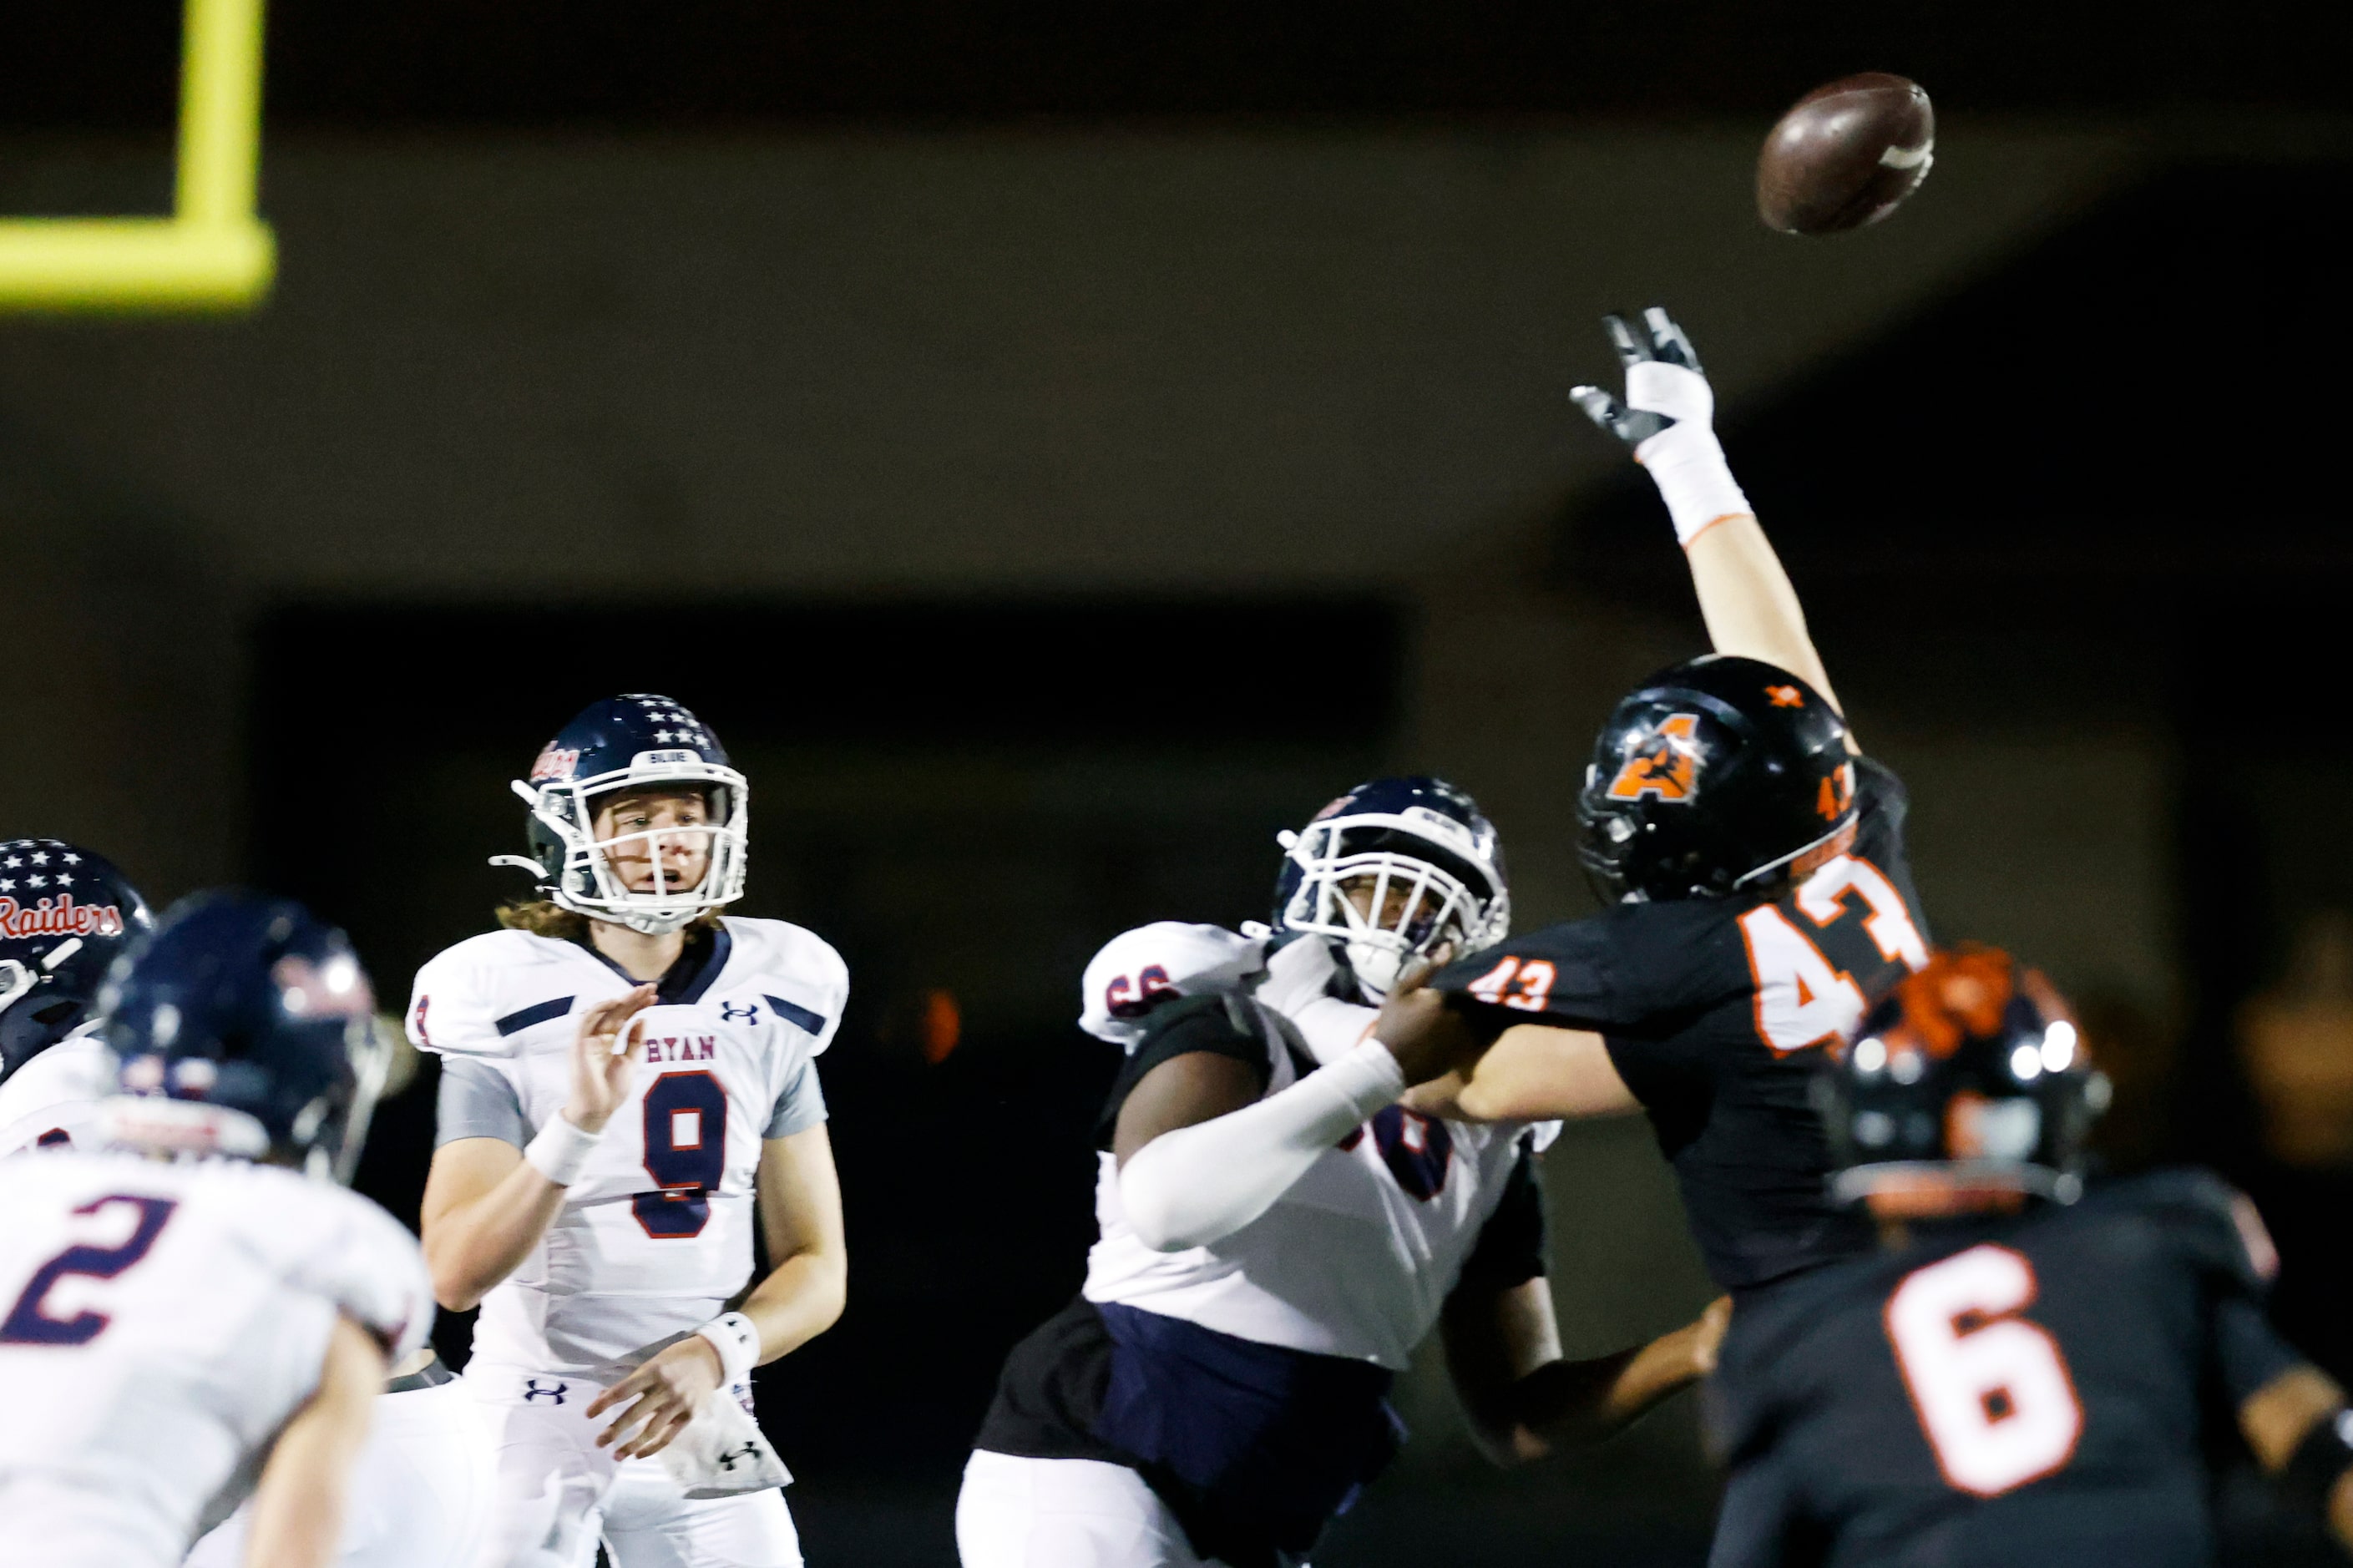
[{"x": 633, "y": 741}]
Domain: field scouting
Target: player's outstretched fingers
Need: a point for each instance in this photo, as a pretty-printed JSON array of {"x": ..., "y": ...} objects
[
  {"x": 1600, "y": 407},
  {"x": 1669, "y": 342},
  {"x": 1631, "y": 346},
  {"x": 609, "y": 1025}
]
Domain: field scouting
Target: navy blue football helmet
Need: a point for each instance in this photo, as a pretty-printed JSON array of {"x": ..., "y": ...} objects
[
  {"x": 634, "y": 742},
  {"x": 245, "y": 1026},
  {"x": 1424, "y": 860},
  {"x": 65, "y": 913}
]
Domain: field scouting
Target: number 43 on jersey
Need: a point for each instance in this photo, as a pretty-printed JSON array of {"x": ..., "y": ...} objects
[{"x": 1802, "y": 998}]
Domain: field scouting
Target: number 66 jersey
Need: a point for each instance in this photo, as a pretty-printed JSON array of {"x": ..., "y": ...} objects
[
  {"x": 657, "y": 1233},
  {"x": 1713, "y": 1011},
  {"x": 159, "y": 1324}
]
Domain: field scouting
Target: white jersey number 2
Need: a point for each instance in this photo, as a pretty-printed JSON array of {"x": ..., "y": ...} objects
[
  {"x": 1803, "y": 999},
  {"x": 1992, "y": 1389}
]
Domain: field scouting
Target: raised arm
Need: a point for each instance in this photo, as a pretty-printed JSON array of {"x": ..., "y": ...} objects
[
  {"x": 487, "y": 1202},
  {"x": 1668, "y": 419}
]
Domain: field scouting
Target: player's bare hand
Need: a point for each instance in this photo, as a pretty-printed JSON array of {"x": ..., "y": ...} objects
[
  {"x": 611, "y": 1041},
  {"x": 658, "y": 1400},
  {"x": 1707, "y": 1335},
  {"x": 1427, "y": 1037}
]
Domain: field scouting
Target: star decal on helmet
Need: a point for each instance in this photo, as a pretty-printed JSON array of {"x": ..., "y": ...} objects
[{"x": 1786, "y": 696}]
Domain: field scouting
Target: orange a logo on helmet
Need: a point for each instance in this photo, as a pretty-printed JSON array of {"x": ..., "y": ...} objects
[{"x": 1664, "y": 767}]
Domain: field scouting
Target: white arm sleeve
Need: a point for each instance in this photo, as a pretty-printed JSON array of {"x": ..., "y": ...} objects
[{"x": 1199, "y": 1185}]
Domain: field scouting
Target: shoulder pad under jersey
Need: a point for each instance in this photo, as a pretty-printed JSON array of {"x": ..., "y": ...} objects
[
  {"x": 1138, "y": 969},
  {"x": 792, "y": 965},
  {"x": 468, "y": 998}
]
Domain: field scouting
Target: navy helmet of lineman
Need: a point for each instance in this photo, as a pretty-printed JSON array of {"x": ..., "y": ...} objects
[
  {"x": 1391, "y": 870},
  {"x": 245, "y": 1026},
  {"x": 66, "y": 914},
  {"x": 612, "y": 753}
]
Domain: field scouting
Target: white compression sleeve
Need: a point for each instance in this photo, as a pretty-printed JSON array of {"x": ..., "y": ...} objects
[{"x": 1201, "y": 1183}]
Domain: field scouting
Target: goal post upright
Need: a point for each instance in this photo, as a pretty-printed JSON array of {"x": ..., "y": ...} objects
[{"x": 213, "y": 253}]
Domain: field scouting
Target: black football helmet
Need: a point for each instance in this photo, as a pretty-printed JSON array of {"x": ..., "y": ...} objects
[
  {"x": 65, "y": 914},
  {"x": 1431, "y": 864},
  {"x": 1711, "y": 777},
  {"x": 1968, "y": 1084},
  {"x": 243, "y": 1026}
]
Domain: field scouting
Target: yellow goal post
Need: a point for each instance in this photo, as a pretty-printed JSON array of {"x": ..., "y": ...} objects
[{"x": 214, "y": 252}]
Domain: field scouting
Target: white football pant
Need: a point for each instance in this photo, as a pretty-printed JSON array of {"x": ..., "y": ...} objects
[
  {"x": 556, "y": 1493},
  {"x": 1065, "y": 1513},
  {"x": 420, "y": 1491}
]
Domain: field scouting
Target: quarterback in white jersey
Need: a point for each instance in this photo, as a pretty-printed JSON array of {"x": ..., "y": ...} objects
[
  {"x": 174, "y": 1336},
  {"x": 1278, "y": 1232},
  {"x": 628, "y": 1085}
]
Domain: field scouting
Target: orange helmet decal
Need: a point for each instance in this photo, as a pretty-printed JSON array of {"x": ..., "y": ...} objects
[
  {"x": 1666, "y": 767},
  {"x": 1786, "y": 696}
]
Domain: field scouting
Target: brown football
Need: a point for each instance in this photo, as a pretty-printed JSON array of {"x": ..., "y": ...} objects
[{"x": 1845, "y": 154}]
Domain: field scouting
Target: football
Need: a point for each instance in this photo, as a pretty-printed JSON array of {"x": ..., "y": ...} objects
[{"x": 1845, "y": 155}]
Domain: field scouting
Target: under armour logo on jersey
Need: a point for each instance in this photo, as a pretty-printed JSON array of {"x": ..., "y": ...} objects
[
  {"x": 747, "y": 1453},
  {"x": 1663, "y": 766},
  {"x": 531, "y": 1390},
  {"x": 747, "y": 1014}
]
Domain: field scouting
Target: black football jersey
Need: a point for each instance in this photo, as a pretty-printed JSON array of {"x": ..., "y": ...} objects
[
  {"x": 2017, "y": 1391},
  {"x": 1715, "y": 1011}
]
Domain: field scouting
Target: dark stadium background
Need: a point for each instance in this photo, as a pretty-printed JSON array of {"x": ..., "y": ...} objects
[{"x": 1057, "y": 446}]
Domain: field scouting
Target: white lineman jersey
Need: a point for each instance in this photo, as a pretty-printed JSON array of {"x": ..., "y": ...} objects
[
  {"x": 1358, "y": 1257},
  {"x": 657, "y": 1233},
  {"x": 158, "y": 1325},
  {"x": 53, "y": 1099}
]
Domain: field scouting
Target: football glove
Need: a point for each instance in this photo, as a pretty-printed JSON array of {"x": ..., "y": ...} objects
[{"x": 1668, "y": 419}]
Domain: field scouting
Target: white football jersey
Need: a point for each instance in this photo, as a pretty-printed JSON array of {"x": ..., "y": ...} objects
[
  {"x": 657, "y": 1233},
  {"x": 53, "y": 1099},
  {"x": 159, "y": 1324},
  {"x": 1357, "y": 1258}
]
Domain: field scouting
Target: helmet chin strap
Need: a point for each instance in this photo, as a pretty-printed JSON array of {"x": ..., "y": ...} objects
[{"x": 1374, "y": 968}]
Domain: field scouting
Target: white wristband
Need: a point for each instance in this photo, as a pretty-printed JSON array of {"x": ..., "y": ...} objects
[
  {"x": 1686, "y": 462},
  {"x": 560, "y": 1150},
  {"x": 737, "y": 1340}
]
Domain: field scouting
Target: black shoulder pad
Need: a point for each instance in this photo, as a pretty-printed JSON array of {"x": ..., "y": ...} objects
[
  {"x": 2209, "y": 1218},
  {"x": 1216, "y": 1022}
]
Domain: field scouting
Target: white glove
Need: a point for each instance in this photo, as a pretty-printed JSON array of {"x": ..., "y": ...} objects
[
  {"x": 1668, "y": 418},
  {"x": 722, "y": 1453}
]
